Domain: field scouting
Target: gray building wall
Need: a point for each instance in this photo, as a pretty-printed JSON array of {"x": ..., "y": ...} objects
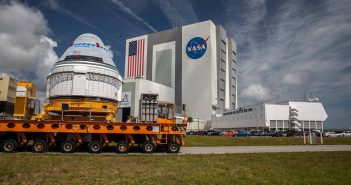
[
  {"x": 163, "y": 37},
  {"x": 226, "y": 46},
  {"x": 233, "y": 74},
  {"x": 130, "y": 87}
]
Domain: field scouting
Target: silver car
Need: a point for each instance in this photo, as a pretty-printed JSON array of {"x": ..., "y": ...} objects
[{"x": 333, "y": 134}]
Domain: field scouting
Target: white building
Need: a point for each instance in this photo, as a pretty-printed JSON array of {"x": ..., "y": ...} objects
[
  {"x": 296, "y": 115},
  {"x": 193, "y": 65}
]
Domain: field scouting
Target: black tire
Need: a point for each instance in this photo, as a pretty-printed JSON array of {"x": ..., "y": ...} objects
[
  {"x": 39, "y": 146},
  {"x": 148, "y": 147},
  {"x": 173, "y": 147},
  {"x": 95, "y": 147},
  {"x": 122, "y": 147},
  {"x": 68, "y": 147},
  {"x": 9, "y": 146}
]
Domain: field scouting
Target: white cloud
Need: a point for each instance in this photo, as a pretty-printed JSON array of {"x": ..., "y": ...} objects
[
  {"x": 291, "y": 79},
  {"x": 178, "y": 12},
  {"x": 256, "y": 92},
  {"x": 131, "y": 13},
  {"x": 26, "y": 51},
  {"x": 293, "y": 48}
]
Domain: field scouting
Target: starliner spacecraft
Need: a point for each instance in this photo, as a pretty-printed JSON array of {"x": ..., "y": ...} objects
[{"x": 84, "y": 83}]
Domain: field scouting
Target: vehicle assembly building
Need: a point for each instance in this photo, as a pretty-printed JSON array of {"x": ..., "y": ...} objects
[
  {"x": 284, "y": 116},
  {"x": 193, "y": 65}
]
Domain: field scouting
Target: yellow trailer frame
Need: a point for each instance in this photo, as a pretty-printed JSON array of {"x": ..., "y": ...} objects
[{"x": 155, "y": 134}]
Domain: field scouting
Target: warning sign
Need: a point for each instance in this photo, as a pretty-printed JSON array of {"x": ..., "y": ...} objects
[{"x": 126, "y": 98}]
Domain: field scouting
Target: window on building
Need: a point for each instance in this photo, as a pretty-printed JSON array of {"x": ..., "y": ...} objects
[
  {"x": 163, "y": 67},
  {"x": 223, "y": 42}
]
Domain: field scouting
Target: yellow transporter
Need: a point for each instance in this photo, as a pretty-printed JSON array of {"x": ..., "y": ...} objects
[{"x": 69, "y": 136}]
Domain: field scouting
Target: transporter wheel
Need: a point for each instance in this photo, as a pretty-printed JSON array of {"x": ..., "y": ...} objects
[
  {"x": 9, "y": 145},
  {"x": 39, "y": 146},
  {"x": 68, "y": 147},
  {"x": 173, "y": 147},
  {"x": 95, "y": 147},
  {"x": 122, "y": 147},
  {"x": 148, "y": 147}
]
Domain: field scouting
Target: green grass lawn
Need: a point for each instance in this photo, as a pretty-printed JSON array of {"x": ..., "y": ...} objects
[
  {"x": 256, "y": 141},
  {"x": 267, "y": 168}
]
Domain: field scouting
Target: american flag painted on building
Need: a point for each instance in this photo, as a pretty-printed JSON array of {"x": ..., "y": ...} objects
[{"x": 136, "y": 58}]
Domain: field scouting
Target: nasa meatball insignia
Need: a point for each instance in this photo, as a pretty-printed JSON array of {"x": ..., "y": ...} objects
[{"x": 196, "y": 47}]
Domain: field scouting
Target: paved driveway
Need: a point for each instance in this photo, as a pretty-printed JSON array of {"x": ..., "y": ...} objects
[{"x": 263, "y": 149}]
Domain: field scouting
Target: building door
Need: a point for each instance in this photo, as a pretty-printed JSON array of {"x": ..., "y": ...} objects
[{"x": 125, "y": 114}]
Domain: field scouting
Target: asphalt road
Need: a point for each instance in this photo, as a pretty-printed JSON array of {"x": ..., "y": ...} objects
[{"x": 263, "y": 149}]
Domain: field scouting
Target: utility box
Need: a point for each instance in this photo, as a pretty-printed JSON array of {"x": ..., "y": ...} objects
[{"x": 149, "y": 108}]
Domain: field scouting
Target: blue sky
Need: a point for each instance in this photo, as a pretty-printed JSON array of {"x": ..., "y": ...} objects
[{"x": 286, "y": 49}]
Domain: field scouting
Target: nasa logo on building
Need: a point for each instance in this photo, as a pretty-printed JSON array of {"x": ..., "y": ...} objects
[{"x": 196, "y": 47}]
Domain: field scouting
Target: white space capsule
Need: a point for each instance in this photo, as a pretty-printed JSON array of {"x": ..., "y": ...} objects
[{"x": 86, "y": 69}]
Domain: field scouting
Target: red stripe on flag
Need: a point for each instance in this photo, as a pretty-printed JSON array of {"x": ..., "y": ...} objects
[
  {"x": 142, "y": 63},
  {"x": 141, "y": 56},
  {"x": 134, "y": 64},
  {"x": 133, "y": 67},
  {"x": 128, "y": 66},
  {"x": 131, "y": 72},
  {"x": 138, "y": 59}
]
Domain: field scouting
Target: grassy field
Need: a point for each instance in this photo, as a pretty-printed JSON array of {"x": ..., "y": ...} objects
[
  {"x": 273, "y": 168},
  {"x": 256, "y": 141}
]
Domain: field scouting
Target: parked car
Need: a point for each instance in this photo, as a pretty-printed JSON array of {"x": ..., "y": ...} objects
[
  {"x": 268, "y": 133},
  {"x": 264, "y": 133},
  {"x": 347, "y": 133},
  {"x": 332, "y": 134},
  {"x": 279, "y": 133},
  {"x": 317, "y": 133},
  {"x": 292, "y": 133},
  {"x": 213, "y": 132},
  {"x": 189, "y": 133},
  {"x": 200, "y": 133},
  {"x": 243, "y": 133},
  {"x": 222, "y": 133},
  {"x": 230, "y": 134},
  {"x": 256, "y": 132}
]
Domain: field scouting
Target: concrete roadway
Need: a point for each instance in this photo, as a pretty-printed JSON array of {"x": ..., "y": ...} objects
[{"x": 263, "y": 149}]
